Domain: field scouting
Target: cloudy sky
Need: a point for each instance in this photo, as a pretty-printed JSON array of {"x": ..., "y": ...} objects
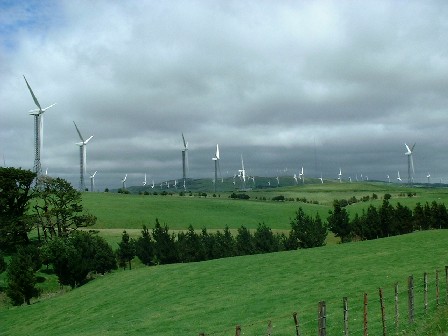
[{"x": 319, "y": 84}]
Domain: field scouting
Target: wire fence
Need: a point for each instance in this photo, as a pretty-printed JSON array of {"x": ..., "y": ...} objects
[{"x": 389, "y": 311}]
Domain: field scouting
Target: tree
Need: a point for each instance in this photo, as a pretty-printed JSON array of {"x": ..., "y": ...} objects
[
  {"x": 207, "y": 243},
  {"x": 386, "y": 213},
  {"x": 309, "y": 232},
  {"x": 339, "y": 223},
  {"x": 3, "y": 264},
  {"x": 244, "y": 242},
  {"x": 164, "y": 245},
  {"x": 15, "y": 195},
  {"x": 190, "y": 246},
  {"x": 61, "y": 210},
  {"x": 144, "y": 247},
  {"x": 75, "y": 256},
  {"x": 264, "y": 240},
  {"x": 21, "y": 279},
  {"x": 126, "y": 250}
]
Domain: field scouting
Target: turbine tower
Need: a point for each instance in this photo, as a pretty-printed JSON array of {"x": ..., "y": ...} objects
[
  {"x": 144, "y": 181},
  {"x": 38, "y": 130},
  {"x": 123, "y": 181},
  {"x": 216, "y": 159},
  {"x": 184, "y": 159},
  {"x": 82, "y": 158},
  {"x": 409, "y": 153},
  {"x": 242, "y": 173},
  {"x": 92, "y": 181}
]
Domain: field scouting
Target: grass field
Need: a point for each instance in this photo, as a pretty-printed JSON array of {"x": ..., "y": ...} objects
[{"x": 216, "y": 295}]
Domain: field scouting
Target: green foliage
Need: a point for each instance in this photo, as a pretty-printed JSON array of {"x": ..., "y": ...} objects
[
  {"x": 144, "y": 249},
  {"x": 279, "y": 198},
  {"x": 244, "y": 242},
  {"x": 239, "y": 196},
  {"x": 339, "y": 223},
  {"x": 21, "y": 279},
  {"x": 189, "y": 246},
  {"x": 3, "y": 263},
  {"x": 15, "y": 195},
  {"x": 75, "y": 256},
  {"x": 308, "y": 231},
  {"x": 264, "y": 240},
  {"x": 164, "y": 245},
  {"x": 126, "y": 250},
  {"x": 60, "y": 209}
]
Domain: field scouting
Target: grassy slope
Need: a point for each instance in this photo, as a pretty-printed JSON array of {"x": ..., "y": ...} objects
[{"x": 216, "y": 295}]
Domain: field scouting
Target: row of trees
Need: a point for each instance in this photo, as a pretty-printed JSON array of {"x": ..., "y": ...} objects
[
  {"x": 162, "y": 247},
  {"x": 386, "y": 220}
]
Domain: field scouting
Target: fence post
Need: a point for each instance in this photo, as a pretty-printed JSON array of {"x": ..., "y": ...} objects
[
  {"x": 366, "y": 333},
  {"x": 446, "y": 283},
  {"x": 397, "y": 313},
  {"x": 437, "y": 288},
  {"x": 425, "y": 291},
  {"x": 383, "y": 313},
  {"x": 345, "y": 302},
  {"x": 269, "y": 331},
  {"x": 296, "y": 322},
  {"x": 238, "y": 330},
  {"x": 411, "y": 298},
  {"x": 322, "y": 323}
]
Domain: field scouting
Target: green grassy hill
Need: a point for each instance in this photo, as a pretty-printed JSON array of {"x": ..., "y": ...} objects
[{"x": 216, "y": 295}]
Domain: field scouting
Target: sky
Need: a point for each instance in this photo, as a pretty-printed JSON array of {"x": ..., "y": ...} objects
[{"x": 324, "y": 85}]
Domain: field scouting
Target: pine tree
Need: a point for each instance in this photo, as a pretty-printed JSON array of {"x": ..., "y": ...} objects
[
  {"x": 126, "y": 250},
  {"x": 339, "y": 223},
  {"x": 21, "y": 279},
  {"x": 144, "y": 248}
]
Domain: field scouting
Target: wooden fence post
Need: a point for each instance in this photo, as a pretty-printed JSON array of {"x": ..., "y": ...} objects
[
  {"x": 425, "y": 291},
  {"x": 238, "y": 331},
  {"x": 397, "y": 313},
  {"x": 437, "y": 288},
  {"x": 446, "y": 283},
  {"x": 411, "y": 298},
  {"x": 345, "y": 302},
  {"x": 383, "y": 313},
  {"x": 269, "y": 331},
  {"x": 321, "y": 316},
  {"x": 366, "y": 333},
  {"x": 296, "y": 322}
]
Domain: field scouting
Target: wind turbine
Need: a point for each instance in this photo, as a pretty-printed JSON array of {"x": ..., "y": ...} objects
[
  {"x": 242, "y": 173},
  {"x": 184, "y": 159},
  {"x": 409, "y": 153},
  {"x": 82, "y": 157},
  {"x": 295, "y": 178},
  {"x": 302, "y": 176},
  {"x": 144, "y": 181},
  {"x": 216, "y": 159},
  {"x": 428, "y": 176},
  {"x": 340, "y": 175},
  {"x": 388, "y": 178},
  {"x": 399, "y": 178},
  {"x": 321, "y": 179},
  {"x": 38, "y": 130},
  {"x": 92, "y": 181},
  {"x": 123, "y": 181}
]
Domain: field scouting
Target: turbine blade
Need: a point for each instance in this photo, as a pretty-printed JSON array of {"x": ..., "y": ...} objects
[
  {"x": 185, "y": 144},
  {"x": 217, "y": 152},
  {"x": 79, "y": 133},
  {"x": 32, "y": 94},
  {"x": 48, "y": 107},
  {"x": 88, "y": 139}
]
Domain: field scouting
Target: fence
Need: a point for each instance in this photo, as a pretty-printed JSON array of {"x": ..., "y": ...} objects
[{"x": 395, "y": 311}]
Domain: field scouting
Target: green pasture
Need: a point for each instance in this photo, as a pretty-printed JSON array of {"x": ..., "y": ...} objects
[{"x": 214, "y": 296}]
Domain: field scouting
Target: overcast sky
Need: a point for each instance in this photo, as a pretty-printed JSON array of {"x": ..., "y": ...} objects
[{"x": 319, "y": 84}]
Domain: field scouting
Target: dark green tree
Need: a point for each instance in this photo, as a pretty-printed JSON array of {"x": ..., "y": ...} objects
[
  {"x": 144, "y": 247},
  {"x": 21, "y": 279},
  {"x": 264, "y": 240},
  {"x": 15, "y": 195},
  {"x": 207, "y": 242},
  {"x": 61, "y": 209},
  {"x": 386, "y": 213},
  {"x": 244, "y": 242},
  {"x": 164, "y": 245},
  {"x": 104, "y": 257},
  {"x": 402, "y": 220},
  {"x": 371, "y": 223},
  {"x": 3, "y": 264},
  {"x": 126, "y": 250},
  {"x": 190, "y": 246},
  {"x": 309, "y": 232},
  {"x": 339, "y": 223},
  {"x": 224, "y": 244}
]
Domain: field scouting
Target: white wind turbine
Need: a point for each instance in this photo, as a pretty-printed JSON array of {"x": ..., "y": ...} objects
[
  {"x": 409, "y": 153},
  {"x": 92, "y": 181},
  {"x": 82, "y": 158},
  {"x": 38, "y": 130},
  {"x": 295, "y": 178},
  {"x": 123, "y": 182},
  {"x": 428, "y": 177},
  {"x": 321, "y": 179},
  {"x": 216, "y": 159},
  {"x": 302, "y": 176},
  {"x": 242, "y": 173},
  {"x": 144, "y": 181},
  {"x": 340, "y": 175},
  {"x": 388, "y": 178},
  {"x": 184, "y": 159},
  {"x": 399, "y": 178}
]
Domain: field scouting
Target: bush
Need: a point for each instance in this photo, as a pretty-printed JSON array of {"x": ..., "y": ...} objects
[{"x": 278, "y": 198}]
